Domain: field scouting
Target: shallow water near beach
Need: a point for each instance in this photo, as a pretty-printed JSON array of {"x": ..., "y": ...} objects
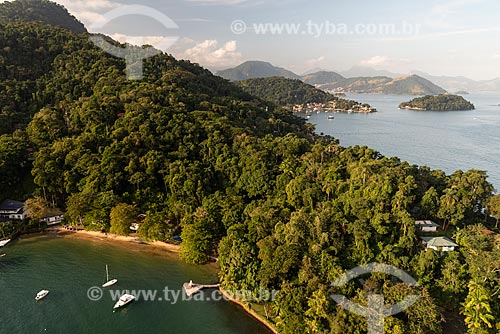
[{"x": 69, "y": 267}]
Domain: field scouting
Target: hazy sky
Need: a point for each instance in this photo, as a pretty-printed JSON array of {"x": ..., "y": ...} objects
[{"x": 458, "y": 37}]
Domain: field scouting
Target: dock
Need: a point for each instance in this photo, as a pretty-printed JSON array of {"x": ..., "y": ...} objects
[{"x": 193, "y": 288}]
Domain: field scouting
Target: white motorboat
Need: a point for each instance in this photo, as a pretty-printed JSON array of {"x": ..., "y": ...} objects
[
  {"x": 4, "y": 242},
  {"x": 108, "y": 281},
  {"x": 42, "y": 294},
  {"x": 124, "y": 300}
]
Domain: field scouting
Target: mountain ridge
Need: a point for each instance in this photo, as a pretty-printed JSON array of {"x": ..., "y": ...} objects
[
  {"x": 44, "y": 11},
  {"x": 333, "y": 81},
  {"x": 254, "y": 70}
]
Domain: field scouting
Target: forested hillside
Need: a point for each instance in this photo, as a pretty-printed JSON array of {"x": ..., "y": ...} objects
[
  {"x": 280, "y": 207},
  {"x": 282, "y": 91},
  {"x": 39, "y": 11}
]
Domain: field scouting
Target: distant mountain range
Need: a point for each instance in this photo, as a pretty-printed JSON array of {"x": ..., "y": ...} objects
[
  {"x": 366, "y": 71},
  {"x": 254, "y": 70},
  {"x": 405, "y": 85},
  {"x": 456, "y": 84}
]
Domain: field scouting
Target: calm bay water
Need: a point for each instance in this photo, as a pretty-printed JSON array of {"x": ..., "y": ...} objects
[
  {"x": 69, "y": 267},
  {"x": 441, "y": 140}
]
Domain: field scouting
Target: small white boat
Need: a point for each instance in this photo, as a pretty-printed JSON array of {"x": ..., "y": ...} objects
[
  {"x": 124, "y": 300},
  {"x": 2, "y": 255},
  {"x": 331, "y": 117},
  {"x": 42, "y": 294},
  {"x": 108, "y": 281},
  {"x": 4, "y": 242}
]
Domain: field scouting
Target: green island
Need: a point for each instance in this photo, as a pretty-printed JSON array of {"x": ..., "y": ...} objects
[
  {"x": 250, "y": 184},
  {"x": 294, "y": 94},
  {"x": 443, "y": 102}
]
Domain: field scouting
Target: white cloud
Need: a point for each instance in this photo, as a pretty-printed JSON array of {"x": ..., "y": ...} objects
[
  {"x": 310, "y": 63},
  {"x": 88, "y": 11},
  {"x": 375, "y": 61},
  {"x": 159, "y": 42},
  {"x": 209, "y": 53},
  {"x": 440, "y": 14}
]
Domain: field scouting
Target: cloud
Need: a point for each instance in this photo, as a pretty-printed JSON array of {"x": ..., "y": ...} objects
[
  {"x": 440, "y": 14},
  {"x": 314, "y": 62},
  {"x": 375, "y": 61},
  {"x": 159, "y": 42},
  {"x": 88, "y": 11},
  {"x": 210, "y": 54}
]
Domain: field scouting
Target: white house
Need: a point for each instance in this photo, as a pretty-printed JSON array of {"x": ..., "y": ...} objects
[
  {"x": 439, "y": 243},
  {"x": 426, "y": 225},
  {"x": 12, "y": 210},
  {"x": 53, "y": 219}
]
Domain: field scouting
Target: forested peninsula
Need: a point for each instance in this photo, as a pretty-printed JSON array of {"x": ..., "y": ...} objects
[{"x": 251, "y": 184}]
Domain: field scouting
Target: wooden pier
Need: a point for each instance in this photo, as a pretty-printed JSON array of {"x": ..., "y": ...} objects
[{"x": 192, "y": 288}]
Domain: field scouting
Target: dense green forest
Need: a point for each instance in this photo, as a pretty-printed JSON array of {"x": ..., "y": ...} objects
[
  {"x": 280, "y": 207},
  {"x": 39, "y": 10},
  {"x": 443, "y": 102},
  {"x": 283, "y": 92}
]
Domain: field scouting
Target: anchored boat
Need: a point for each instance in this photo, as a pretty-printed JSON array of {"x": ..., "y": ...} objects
[
  {"x": 108, "y": 281},
  {"x": 42, "y": 294},
  {"x": 124, "y": 300}
]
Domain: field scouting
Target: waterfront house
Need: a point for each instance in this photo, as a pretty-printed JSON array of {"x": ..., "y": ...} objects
[
  {"x": 53, "y": 217},
  {"x": 442, "y": 244},
  {"x": 426, "y": 225},
  {"x": 12, "y": 210}
]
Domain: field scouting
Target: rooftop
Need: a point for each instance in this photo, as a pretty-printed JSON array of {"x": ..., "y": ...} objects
[
  {"x": 426, "y": 223},
  {"x": 439, "y": 241},
  {"x": 11, "y": 205}
]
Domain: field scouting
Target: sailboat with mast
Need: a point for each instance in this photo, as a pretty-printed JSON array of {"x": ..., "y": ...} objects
[{"x": 108, "y": 281}]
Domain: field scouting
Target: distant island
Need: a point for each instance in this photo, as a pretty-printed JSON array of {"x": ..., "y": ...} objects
[
  {"x": 443, "y": 102},
  {"x": 298, "y": 96}
]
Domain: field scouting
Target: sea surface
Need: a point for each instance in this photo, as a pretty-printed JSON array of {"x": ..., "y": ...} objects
[
  {"x": 69, "y": 267},
  {"x": 441, "y": 140}
]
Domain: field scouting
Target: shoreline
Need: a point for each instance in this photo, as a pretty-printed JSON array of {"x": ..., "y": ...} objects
[
  {"x": 60, "y": 231},
  {"x": 156, "y": 248},
  {"x": 249, "y": 311}
]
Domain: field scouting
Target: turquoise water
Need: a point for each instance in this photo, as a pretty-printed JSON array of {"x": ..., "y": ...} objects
[
  {"x": 442, "y": 140},
  {"x": 69, "y": 267}
]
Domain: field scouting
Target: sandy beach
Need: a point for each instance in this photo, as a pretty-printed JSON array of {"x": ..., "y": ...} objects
[{"x": 157, "y": 247}]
